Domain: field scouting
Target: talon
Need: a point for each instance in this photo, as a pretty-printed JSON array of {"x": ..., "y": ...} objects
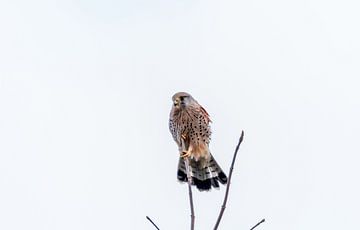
[{"x": 185, "y": 154}]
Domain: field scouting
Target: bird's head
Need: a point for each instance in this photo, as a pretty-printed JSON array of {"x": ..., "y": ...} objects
[{"x": 182, "y": 100}]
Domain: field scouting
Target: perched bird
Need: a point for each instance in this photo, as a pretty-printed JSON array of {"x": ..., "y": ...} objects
[{"x": 189, "y": 125}]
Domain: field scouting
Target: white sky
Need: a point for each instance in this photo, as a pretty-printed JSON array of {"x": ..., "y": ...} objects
[{"x": 85, "y": 94}]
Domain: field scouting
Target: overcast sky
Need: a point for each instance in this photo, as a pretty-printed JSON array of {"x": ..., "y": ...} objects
[{"x": 85, "y": 95}]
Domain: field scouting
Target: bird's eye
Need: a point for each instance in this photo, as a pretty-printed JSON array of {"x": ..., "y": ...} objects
[{"x": 182, "y": 98}]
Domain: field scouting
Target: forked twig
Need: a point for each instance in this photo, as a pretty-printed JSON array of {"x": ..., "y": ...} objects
[
  {"x": 188, "y": 174},
  {"x": 228, "y": 183},
  {"x": 152, "y": 223}
]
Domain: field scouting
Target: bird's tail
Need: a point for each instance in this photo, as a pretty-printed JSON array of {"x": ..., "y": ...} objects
[{"x": 202, "y": 177}]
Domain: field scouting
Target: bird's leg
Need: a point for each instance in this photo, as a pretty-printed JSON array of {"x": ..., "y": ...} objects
[
  {"x": 184, "y": 153},
  {"x": 183, "y": 136}
]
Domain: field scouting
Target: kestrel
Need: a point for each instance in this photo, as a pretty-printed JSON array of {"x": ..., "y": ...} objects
[{"x": 189, "y": 125}]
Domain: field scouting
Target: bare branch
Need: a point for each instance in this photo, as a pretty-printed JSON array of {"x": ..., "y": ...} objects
[
  {"x": 260, "y": 222},
  {"x": 188, "y": 174},
  {"x": 187, "y": 166},
  {"x": 190, "y": 194},
  {"x": 152, "y": 223},
  {"x": 228, "y": 183}
]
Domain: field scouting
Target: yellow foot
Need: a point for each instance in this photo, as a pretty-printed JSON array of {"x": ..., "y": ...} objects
[{"x": 185, "y": 154}]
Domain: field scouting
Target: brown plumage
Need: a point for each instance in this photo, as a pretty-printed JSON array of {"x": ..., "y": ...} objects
[{"x": 190, "y": 121}]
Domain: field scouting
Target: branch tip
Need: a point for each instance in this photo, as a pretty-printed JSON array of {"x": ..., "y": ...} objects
[
  {"x": 260, "y": 222},
  {"x": 152, "y": 223},
  {"x": 228, "y": 183}
]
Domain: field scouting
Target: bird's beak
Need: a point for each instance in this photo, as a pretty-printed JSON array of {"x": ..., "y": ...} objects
[{"x": 176, "y": 102}]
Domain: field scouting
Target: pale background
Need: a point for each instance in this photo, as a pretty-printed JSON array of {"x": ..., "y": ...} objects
[{"x": 85, "y": 93}]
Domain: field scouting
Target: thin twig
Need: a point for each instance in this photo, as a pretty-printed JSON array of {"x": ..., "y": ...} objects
[
  {"x": 228, "y": 183},
  {"x": 190, "y": 194},
  {"x": 152, "y": 223},
  {"x": 187, "y": 166},
  {"x": 260, "y": 222}
]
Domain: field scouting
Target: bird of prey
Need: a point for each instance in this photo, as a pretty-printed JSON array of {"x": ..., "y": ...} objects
[{"x": 189, "y": 125}]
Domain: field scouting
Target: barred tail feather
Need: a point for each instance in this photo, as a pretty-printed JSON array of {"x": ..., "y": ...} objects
[{"x": 204, "y": 178}]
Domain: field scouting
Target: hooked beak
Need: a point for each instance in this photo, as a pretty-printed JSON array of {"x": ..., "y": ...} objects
[{"x": 176, "y": 102}]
